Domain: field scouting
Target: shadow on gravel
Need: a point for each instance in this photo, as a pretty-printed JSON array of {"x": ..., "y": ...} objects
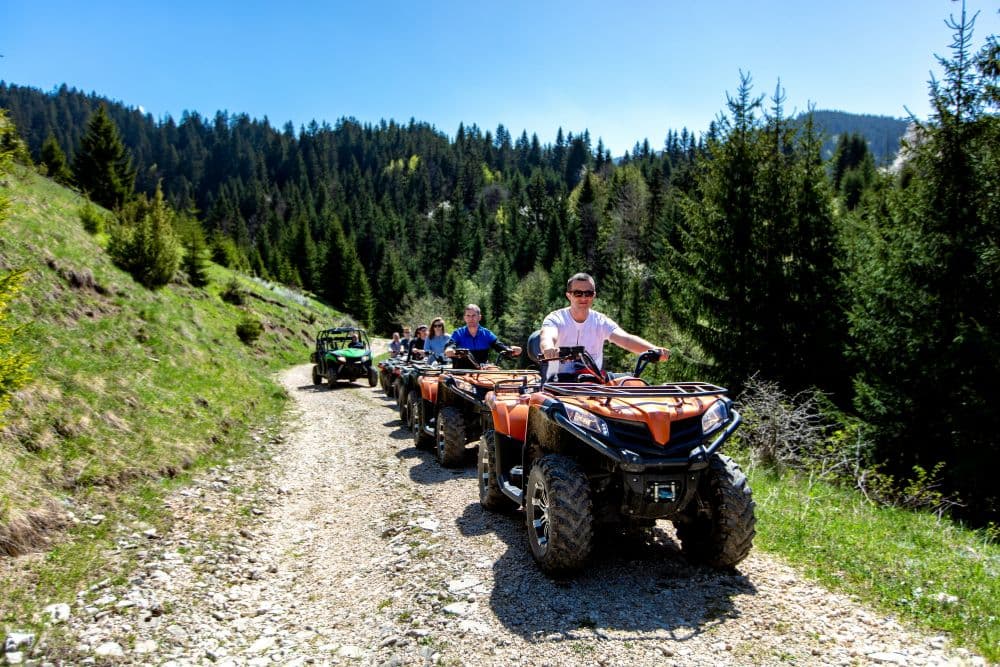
[
  {"x": 428, "y": 470},
  {"x": 337, "y": 386},
  {"x": 627, "y": 585}
]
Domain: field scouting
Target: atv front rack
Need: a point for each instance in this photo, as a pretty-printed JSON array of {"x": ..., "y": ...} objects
[
  {"x": 614, "y": 391},
  {"x": 589, "y": 389},
  {"x": 489, "y": 371}
]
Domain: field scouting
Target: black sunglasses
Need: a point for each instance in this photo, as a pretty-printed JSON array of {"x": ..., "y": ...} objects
[{"x": 580, "y": 293}]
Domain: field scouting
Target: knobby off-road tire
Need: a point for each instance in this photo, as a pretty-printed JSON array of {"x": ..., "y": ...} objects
[
  {"x": 415, "y": 410},
  {"x": 724, "y": 538},
  {"x": 317, "y": 378},
  {"x": 372, "y": 377},
  {"x": 558, "y": 511},
  {"x": 449, "y": 437},
  {"x": 401, "y": 401},
  {"x": 490, "y": 495}
]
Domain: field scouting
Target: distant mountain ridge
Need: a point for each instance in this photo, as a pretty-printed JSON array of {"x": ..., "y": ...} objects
[{"x": 882, "y": 132}]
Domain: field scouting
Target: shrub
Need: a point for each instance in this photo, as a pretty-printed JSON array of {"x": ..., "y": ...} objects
[
  {"x": 226, "y": 253},
  {"x": 147, "y": 248},
  {"x": 90, "y": 216},
  {"x": 799, "y": 433},
  {"x": 249, "y": 329},
  {"x": 780, "y": 430},
  {"x": 233, "y": 293}
]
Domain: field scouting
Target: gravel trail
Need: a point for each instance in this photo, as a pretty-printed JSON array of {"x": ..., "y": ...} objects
[{"x": 343, "y": 544}]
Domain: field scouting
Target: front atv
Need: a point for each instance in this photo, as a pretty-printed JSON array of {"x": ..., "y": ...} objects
[
  {"x": 615, "y": 452},
  {"x": 343, "y": 353}
]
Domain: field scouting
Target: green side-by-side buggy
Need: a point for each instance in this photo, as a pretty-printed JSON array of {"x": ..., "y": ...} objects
[{"x": 343, "y": 353}]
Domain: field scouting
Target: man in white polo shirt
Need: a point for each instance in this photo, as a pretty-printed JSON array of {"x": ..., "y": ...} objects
[{"x": 579, "y": 325}]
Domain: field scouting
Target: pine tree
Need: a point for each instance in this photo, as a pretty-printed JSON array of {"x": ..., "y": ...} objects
[
  {"x": 145, "y": 244},
  {"x": 103, "y": 167},
  {"x": 926, "y": 286},
  {"x": 55, "y": 162},
  {"x": 345, "y": 284},
  {"x": 751, "y": 270},
  {"x": 195, "y": 262},
  {"x": 392, "y": 285}
]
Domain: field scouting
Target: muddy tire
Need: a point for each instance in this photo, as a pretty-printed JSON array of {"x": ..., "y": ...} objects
[
  {"x": 558, "y": 511},
  {"x": 449, "y": 437},
  {"x": 372, "y": 377},
  {"x": 490, "y": 495},
  {"x": 415, "y": 410},
  {"x": 317, "y": 378},
  {"x": 401, "y": 401},
  {"x": 720, "y": 526}
]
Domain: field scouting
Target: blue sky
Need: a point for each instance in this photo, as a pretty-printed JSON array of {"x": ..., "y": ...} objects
[{"x": 624, "y": 70}]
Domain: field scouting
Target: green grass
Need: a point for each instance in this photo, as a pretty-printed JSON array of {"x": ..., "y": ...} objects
[
  {"x": 902, "y": 562},
  {"x": 130, "y": 388}
]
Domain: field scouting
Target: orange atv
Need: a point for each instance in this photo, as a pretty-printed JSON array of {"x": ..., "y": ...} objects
[
  {"x": 448, "y": 408},
  {"x": 614, "y": 451}
]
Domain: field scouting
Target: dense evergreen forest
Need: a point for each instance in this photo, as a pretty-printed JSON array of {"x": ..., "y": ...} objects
[
  {"x": 743, "y": 248},
  {"x": 881, "y": 133}
]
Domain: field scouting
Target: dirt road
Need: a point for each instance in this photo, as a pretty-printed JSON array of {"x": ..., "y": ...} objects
[{"x": 344, "y": 544}]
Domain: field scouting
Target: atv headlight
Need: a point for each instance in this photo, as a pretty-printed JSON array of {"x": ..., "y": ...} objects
[
  {"x": 465, "y": 386},
  {"x": 587, "y": 420},
  {"x": 340, "y": 360},
  {"x": 714, "y": 417}
]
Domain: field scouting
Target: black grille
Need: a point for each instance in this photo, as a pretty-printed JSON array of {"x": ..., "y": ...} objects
[{"x": 685, "y": 434}]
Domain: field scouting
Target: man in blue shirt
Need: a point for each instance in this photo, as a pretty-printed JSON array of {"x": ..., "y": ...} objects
[{"x": 478, "y": 340}]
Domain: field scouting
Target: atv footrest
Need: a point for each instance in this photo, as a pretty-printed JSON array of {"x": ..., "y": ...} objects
[{"x": 513, "y": 492}]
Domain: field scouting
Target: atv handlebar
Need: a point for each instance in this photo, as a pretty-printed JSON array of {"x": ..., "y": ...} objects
[{"x": 645, "y": 359}]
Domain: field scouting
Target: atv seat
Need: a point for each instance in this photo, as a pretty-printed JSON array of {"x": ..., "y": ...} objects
[{"x": 577, "y": 377}]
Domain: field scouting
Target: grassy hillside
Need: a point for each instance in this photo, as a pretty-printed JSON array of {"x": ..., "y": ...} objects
[{"x": 129, "y": 384}]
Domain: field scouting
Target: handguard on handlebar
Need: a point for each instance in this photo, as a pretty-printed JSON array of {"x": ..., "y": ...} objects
[{"x": 646, "y": 358}]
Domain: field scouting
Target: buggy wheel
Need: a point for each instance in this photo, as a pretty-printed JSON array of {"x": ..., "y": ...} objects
[
  {"x": 558, "y": 511},
  {"x": 372, "y": 377},
  {"x": 317, "y": 378},
  {"x": 490, "y": 495},
  {"x": 718, "y": 527},
  {"x": 449, "y": 435}
]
